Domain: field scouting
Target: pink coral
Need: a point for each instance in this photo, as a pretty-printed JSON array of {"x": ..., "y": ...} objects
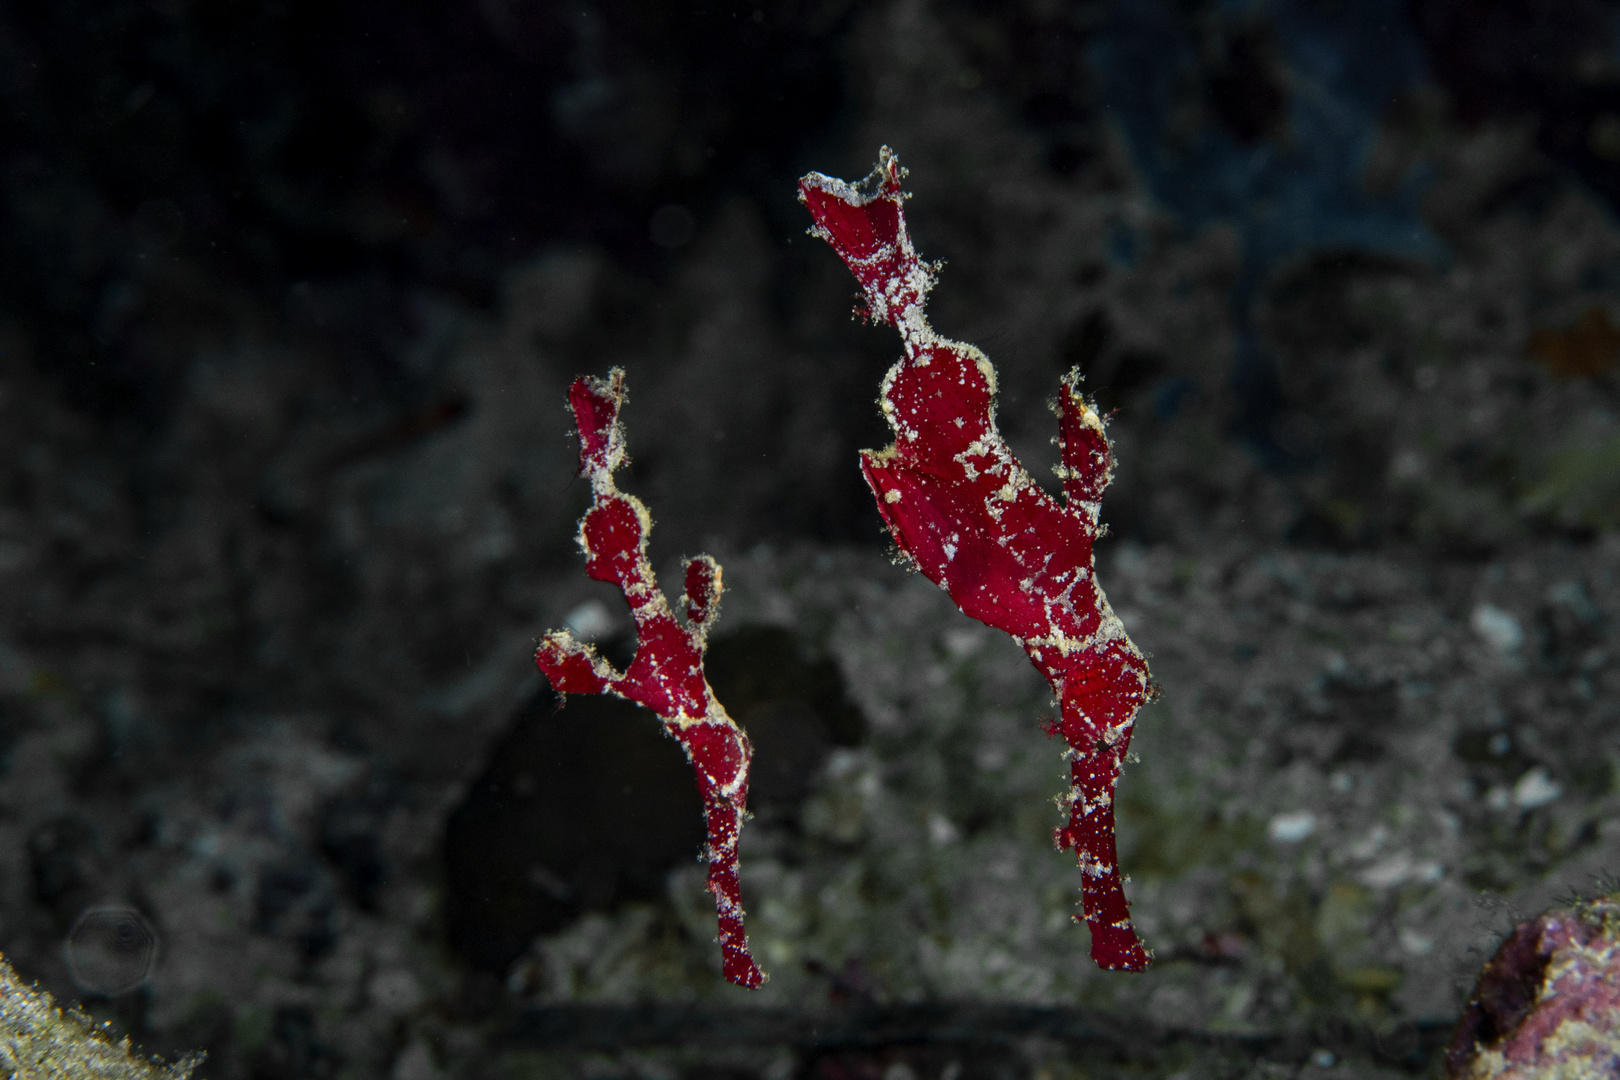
[
  {"x": 666, "y": 674},
  {"x": 967, "y": 514}
]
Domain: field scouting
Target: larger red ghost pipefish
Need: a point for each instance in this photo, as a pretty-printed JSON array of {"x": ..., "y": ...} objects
[{"x": 968, "y": 516}]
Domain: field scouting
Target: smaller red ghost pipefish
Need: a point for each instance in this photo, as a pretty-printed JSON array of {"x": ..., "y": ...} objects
[{"x": 666, "y": 674}]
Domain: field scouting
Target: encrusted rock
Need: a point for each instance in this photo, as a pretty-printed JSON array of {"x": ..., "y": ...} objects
[{"x": 1548, "y": 1004}]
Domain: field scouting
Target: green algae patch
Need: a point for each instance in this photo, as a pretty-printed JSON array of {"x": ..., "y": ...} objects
[
  {"x": 1581, "y": 486},
  {"x": 1168, "y": 837}
]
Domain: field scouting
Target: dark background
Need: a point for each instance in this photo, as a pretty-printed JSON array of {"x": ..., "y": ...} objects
[{"x": 328, "y": 179}]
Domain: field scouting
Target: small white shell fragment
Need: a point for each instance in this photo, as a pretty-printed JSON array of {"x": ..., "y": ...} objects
[
  {"x": 1535, "y": 788},
  {"x": 1498, "y": 629},
  {"x": 1291, "y": 828},
  {"x": 590, "y": 621}
]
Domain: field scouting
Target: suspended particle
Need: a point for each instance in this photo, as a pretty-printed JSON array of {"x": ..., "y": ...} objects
[{"x": 110, "y": 951}]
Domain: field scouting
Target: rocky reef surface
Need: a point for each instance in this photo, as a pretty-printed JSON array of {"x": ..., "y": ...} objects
[{"x": 287, "y": 494}]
